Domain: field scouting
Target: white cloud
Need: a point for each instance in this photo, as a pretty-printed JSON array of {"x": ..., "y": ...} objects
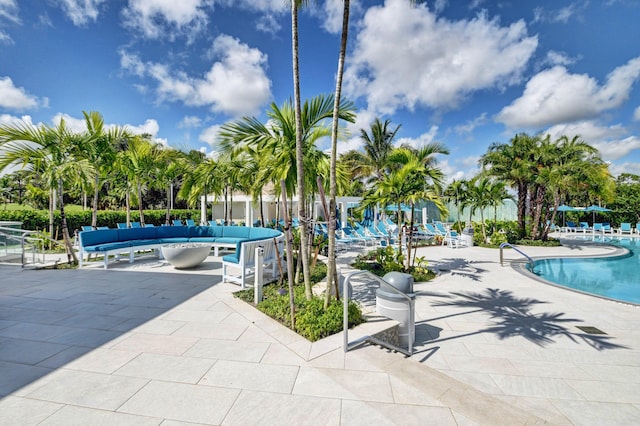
[
  {"x": 157, "y": 19},
  {"x": 190, "y": 122},
  {"x": 17, "y": 98},
  {"x": 558, "y": 58},
  {"x": 613, "y": 142},
  {"x": 636, "y": 114},
  {"x": 421, "y": 140},
  {"x": 418, "y": 59},
  {"x": 9, "y": 11},
  {"x": 556, "y": 96},
  {"x": 210, "y": 135},
  {"x": 237, "y": 84},
  {"x": 79, "y": 125},
  {"x": 81, "y": 11},
  {"x": 11, "y": 120},
  {"x": 5, "y": 38},
  {"x": 629, "y": 167},
  {"x": 268, "y": 24},
  {"x": 564, "y": 14},
  {"x": 468, "y": 127}
]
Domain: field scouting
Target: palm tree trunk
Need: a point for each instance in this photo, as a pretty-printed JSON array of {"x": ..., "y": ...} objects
[
  {"x": 167, "y": 217},
  {"x": 52, "y": 196},
  {"x": 71, "y": 253},
  {"x": 127, "y": 200},
  {"x": 94, "y": 206},
  {"x": 302, "y": 218},
  {"x": 333, "y": 185},
  {"x": 140, "y": 204}
]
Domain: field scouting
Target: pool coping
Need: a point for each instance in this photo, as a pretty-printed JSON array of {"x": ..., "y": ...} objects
[{"x": 618, "y": 252}]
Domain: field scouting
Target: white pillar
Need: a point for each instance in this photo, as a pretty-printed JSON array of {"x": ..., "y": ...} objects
[
  {"x": 248, "y": 213},
  {"x": 343, "y": 215},
  {"x": 203, "y": 211},
  {"x": 258, "y": 278},
  {"x": 424, "y": 216}
]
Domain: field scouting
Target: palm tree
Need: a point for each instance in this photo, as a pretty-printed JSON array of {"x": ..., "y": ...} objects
[
  {"x": 50, "y": 152},
  {"x": 100, "y": 150},
  {"x": 455, "y": 193},
  {"x": 276, "y": 141},
  {"x": 512, "y": 163},
  {"x": 138, "y": 163}
]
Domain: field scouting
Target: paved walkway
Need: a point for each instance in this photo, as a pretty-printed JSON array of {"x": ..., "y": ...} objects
[{"x": 145, "y": 344}]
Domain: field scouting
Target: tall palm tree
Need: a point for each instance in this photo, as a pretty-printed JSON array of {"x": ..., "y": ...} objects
[
  {"x": 455, "y": 194},
  {"x": 513, "y": 164},
  {"x": 138, "y": 163},
  {"x": 100, "y": 149},
  {"x": 50, "y": 152},
  {"x": 276, "y": 141}
]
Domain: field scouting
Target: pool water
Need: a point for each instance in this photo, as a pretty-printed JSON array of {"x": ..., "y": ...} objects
[{"x": 611, "y": 277}]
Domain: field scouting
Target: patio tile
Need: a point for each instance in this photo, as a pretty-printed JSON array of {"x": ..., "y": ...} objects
[
  {"x": 251, "y": 376},
  {"x": 80, "y": 416},
  {"x": 607, "y": 391},
  {"x": 166, "y": 367},
  {"x": 279, "y": 354},
  {"x": 540, "y": 387},
  {"x": 344, "y": 384},
  {"x": 265, "y": 408},
  {"x": 25, "y": 412},
  {"x": 211, "y": 330},
  {"x": 599, "y": 413},
  {"x": 143, "y": 342},
  {"x": 187, "y": 315},
  {"x": 27, "y": 351},
  {"x": 87, "y": 389},
  {"x": 375, "y": 413},
  {"x": 183, "y": 402},
  {"x": 228, "y": 349},
  {"x": 94, "y": 360},
  {"x": 30, "y": 331}
]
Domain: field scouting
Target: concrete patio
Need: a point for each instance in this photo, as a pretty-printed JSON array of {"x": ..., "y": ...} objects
[{"x": 147, "y": 344}]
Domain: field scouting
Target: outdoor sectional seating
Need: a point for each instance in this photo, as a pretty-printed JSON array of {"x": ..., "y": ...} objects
[{"x": 128, "y": 241}]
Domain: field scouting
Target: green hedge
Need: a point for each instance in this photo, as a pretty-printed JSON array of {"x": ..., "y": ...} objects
[{"x": 38, "y": 220}]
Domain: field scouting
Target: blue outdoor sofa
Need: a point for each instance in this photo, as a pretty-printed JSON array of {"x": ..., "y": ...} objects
[{"x": 116, "y": 242}]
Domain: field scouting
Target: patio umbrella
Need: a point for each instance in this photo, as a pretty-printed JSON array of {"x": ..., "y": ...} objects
[
  {"x": 593, "y": 208},
  {"x": 564, "y": 208},
  {"x": 367, "y": 218}
]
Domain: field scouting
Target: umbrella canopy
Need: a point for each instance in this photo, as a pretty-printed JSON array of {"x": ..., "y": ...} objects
[
  {"x": 565, "y": 208},
  {"x": 593, "y": 208},
  {"x": 394, "y": 208},
  {"x": 367, "y": 218}
]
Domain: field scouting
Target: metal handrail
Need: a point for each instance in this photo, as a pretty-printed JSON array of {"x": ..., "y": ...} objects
[
  {"x": 32, "y": 240},
  {"x": 365, "y": 339},
  {"x": 503, "y": 245}
]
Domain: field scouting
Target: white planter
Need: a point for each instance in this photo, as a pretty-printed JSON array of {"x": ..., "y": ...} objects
[{"x": 185, "y": 255}]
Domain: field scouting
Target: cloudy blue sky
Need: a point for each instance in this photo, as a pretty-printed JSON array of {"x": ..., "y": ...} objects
[{"x": 465, "y": 73}]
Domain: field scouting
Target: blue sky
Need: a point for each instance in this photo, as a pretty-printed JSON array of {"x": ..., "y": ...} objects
[{"x": 465, "y": 73}]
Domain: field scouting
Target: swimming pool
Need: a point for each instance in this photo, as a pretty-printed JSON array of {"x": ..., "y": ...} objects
[{"x": 613, "y": 277}]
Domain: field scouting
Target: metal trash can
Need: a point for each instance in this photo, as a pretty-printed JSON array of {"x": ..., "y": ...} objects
[
  {"x": 467, "y": 236},
  {"x": 392, "y": 305}
]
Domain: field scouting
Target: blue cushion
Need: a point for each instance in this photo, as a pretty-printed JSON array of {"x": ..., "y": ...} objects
[
  {"x": 229, "y": 240},
  {"x": 111, "y": 246},
  {"x": 233, "y": 258},
  {"x": 92, "y": 238},
  {"x": 203, "y": 231},
  {"x": 172, "y": 240},
  {"x": 235, "y": 231},
  {"x": 262, "y": 233},
  {"x": 203, "y": 239},
  {"x": 172, "y": 231},
  {"x": 136, "y": 234}
]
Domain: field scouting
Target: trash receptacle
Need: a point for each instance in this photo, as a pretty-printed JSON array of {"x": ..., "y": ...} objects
[
  {"x": 392, "y": 305},
  {"x": 467, "y": 236}
]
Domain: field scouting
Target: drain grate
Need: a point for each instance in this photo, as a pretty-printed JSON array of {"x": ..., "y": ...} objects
[{"x": 590, "y": 330}]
